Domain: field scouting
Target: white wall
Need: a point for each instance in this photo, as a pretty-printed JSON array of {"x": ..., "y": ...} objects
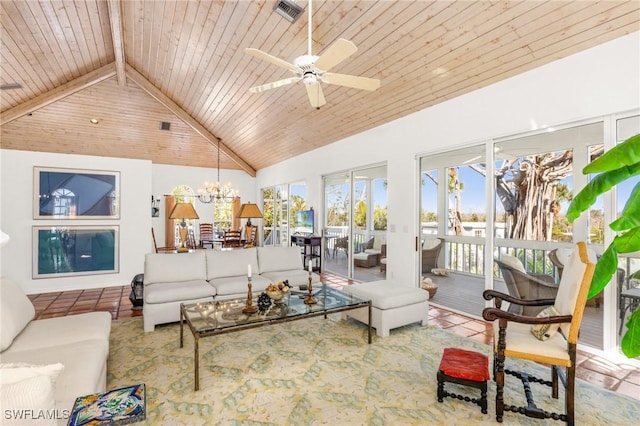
[
  {"x": 596, "y": 82},
  {"x": 17, "y": 217},
  {"x": 138, "y": 181},
  {"x": 166, "y": 178}
]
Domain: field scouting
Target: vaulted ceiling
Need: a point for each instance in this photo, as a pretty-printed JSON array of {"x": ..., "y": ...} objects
[{"x": 133, "y": 64}]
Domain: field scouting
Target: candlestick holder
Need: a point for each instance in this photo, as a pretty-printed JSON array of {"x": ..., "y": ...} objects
[
  {"x": 310, "y": 300},
  {"x": 249, "y": 307}
]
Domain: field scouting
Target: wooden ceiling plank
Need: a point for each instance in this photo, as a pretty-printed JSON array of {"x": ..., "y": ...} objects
[
  {"x": 115, "y": 18},
  {"x": 191, "y": 26},
  {"x": 64, "y": 43},
  {"x": 219, "y": 17},
  {"x": 229, "y": 82},
  {"x": 29, "y": 74},
  {"x": 174, "y": 40},
  {"x": 104, "y": 47},
  {"x": 24, "y": 22},
  {"x": 84, "y": 28},
  {"x": 145, "y": 85},
  {"x": 219, "y": 59},
  {"x": 155, "y": 38},
  {"x": 58, "y": 93},
  {"x": 67, "y": 14}
]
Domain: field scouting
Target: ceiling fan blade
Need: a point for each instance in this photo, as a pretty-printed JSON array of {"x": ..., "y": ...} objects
[
  {"x": 316, "y": 96},
  {"x": 353, "y": 81},
  {"x": 270, "y": 58},
  {"x": 336, "y": 53},
  {"x": 274, "y": 84}
]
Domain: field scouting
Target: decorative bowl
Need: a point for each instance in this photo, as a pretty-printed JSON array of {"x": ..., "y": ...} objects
[{"x": 276, "y": 295}]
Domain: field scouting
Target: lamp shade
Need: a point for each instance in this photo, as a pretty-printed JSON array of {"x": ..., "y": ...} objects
[
  {"x": 249, "y": 211},
  {"x": 183, "y": 211}
]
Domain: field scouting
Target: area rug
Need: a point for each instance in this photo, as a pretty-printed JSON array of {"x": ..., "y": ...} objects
[{"x": 322, "y": 372}]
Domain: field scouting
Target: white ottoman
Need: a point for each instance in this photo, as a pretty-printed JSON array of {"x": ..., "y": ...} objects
[{"x": 393, "y": 305}]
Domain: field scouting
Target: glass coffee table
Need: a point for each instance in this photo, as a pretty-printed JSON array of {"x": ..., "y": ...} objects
[{"x": 218, "y": 317}]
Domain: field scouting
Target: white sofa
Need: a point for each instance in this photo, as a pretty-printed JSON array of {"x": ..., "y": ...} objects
[
  {"x": 171, "y": 279},
  {"x": 46, "y": 364}
]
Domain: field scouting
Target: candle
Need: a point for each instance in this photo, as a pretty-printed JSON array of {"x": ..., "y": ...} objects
[
  {"x": 310, "y": 266},
  {"x": 249, "y": 270}
]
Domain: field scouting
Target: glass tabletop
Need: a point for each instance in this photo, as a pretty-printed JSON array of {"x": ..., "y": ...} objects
[{"x": 215, "y": 316}]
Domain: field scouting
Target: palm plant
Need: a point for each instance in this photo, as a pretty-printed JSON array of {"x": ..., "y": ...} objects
[{"x": 615, "y": 166}]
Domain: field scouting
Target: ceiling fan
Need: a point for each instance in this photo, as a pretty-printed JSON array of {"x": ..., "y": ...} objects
[{"x": 313, "y": 70}]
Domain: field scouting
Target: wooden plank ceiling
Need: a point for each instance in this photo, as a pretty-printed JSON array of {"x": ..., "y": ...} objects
[{"x": 132, "y": 64}]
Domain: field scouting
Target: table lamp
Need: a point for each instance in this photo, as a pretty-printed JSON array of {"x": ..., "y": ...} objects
[
  {"x": 249, "y": 211},
  {"x": 183, "y": 211}
]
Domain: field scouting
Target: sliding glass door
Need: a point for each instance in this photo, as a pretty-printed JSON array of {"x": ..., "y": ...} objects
[{"x": 355, "y": 225}]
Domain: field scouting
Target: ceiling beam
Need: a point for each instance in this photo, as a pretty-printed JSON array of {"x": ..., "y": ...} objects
[
  {"x": 154, "y": 92},
  {"x": 60, "y": 92},
  {"x": 115, "y": 18}
]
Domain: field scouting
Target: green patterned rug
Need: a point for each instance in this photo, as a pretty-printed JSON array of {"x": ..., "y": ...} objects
[{"x": 321, "y": 372}]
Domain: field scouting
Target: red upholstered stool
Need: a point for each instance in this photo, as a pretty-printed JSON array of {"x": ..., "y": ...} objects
[{"x": 464, "y": 368}]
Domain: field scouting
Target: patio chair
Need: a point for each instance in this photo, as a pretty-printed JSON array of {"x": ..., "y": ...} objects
[
  {"x": 342, "y": 243},
  {"x": 628, "y": 297},
  {"x": 430, "y": 253},
  {"x": 551, "y": 338},
  {"x": 524, "y": 285}
]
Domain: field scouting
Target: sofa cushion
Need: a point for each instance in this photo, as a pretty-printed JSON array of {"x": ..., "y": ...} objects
[
  {"x": 171, "y": 267},
  {"x": 387, "y": 294},
  {"x": 84, "y": 371},
  {"x": 17, "y": 310},
  {"x": 279, "y": 259},
  {"x": 226, "y": 286},
  {"x": 49, "y": 332},
  {"x": 28, "y": 387},
  {"x": 296, "y": 277},
  {"x": 231, "y": 263},
  {"x": 178, "y": 291}
]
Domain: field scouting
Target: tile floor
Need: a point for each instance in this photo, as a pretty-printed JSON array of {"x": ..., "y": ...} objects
[{"x": 619, "y": 377}]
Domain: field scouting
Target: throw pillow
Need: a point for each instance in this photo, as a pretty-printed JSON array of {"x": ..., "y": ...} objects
[
  {"x": 545, "y": 331},
  {"x": 368, "y": 244},
  {"x": 513, "y": 262},
  {"x": 28, "y": 390},
  {"x": 15, "y": 313}
]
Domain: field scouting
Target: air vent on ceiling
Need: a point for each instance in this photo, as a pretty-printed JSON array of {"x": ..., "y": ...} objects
[
  {"x": 289, "y": 10},
  {"x": 11, "y": 86},
  {"x": 165, "y": 125}
]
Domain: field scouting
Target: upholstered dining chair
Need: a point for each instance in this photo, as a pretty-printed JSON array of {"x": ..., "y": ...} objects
[
  {"x": 524, "y": 285},
  {"x": 549, "y": 338}
]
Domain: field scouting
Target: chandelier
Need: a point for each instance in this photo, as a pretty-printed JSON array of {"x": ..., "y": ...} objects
[{"x": 217, "y": 190}]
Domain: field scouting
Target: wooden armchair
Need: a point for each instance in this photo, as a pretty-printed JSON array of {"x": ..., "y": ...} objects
[
  {"x": 556, "y": 345},
  {"x": 524, "y": 285}
]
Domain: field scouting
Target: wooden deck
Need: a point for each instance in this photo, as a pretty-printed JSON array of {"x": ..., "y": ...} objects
[{"x": 462, "y": 293}]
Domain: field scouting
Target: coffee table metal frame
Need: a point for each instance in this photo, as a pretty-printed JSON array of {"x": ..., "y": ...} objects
[{"x": 260, "y": 320}]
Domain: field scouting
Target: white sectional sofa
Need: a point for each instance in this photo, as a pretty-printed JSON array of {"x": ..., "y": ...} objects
[
  {"x": 46, "y": 364},
  {"x": 171, "y": 279}
]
